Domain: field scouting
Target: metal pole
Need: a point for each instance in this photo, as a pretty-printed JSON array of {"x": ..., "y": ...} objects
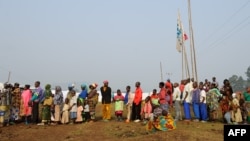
[
  {"x": 9, "y": 77},
  {"x": 161, "y": 72},
  {"x": 195, "y": 75}
]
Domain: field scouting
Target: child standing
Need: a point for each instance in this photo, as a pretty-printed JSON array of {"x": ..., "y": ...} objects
[
  {"x": 65, "y": 112},
  {"x": 86, "y": 111},
  {"x": 119, "y": 102},
  {"x": 79, "y": 112},
  {"x": 73, "y": 107},
  {"x": 146, "y": 112}
]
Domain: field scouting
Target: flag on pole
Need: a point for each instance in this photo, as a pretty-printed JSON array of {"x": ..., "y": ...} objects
[
  {"x": 185, "y": 37},
  {"x": 181, "y": 35}
]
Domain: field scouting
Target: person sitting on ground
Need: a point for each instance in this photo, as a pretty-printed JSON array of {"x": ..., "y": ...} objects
[{"x": 164, "y": 122}]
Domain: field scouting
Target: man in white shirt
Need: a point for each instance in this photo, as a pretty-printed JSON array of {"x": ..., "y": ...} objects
[
  {"x": 203, "y": 105},
  {"x": 187, "y": 99},
  {"x": 177, "y": 102}
]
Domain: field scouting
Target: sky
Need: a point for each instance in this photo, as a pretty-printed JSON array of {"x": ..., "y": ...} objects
[{"x": 61, "y": 42}]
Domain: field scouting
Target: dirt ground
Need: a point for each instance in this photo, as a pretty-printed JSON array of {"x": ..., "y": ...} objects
[{"x": 111, "y": 131}]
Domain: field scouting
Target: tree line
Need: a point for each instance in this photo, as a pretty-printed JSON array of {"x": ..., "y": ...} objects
[{"x": 238, "y": 83}]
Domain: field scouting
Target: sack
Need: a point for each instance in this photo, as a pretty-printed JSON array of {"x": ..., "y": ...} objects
[{"x": 48, "y": 101}]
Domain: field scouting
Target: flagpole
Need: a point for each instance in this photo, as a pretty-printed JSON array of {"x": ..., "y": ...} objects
[
  {"x": 182, "y": 61},
  {"x": 185, "y": 60},
  {"x": 180, "y": 46},
  {"x": 161, "y": 72},
  {"x": 186, "y": 63},
  {"x": 192, "y": 48},
  {"x": 9, "y": 77},
  {"x": 180, "y": 42}
]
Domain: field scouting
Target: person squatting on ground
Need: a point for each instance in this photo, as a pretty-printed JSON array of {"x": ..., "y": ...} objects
[{"x": 162, "y": 121}]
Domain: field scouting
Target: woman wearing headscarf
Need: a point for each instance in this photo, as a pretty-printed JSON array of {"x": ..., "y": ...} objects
[
  {"x": 92, "y": 100},
  {"x": 15, "y": 103},
  {"x": 213, "y": 101},
  {"x": 48, "y": 101},
  {"x": 83, "y": 95},
  {"x": 58, "y": 101}
]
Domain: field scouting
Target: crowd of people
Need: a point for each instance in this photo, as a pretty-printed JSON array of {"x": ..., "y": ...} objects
[{"x": 204, "y": 99}]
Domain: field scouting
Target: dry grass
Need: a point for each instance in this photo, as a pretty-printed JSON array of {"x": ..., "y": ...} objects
[{"x": 112, "y": 131}]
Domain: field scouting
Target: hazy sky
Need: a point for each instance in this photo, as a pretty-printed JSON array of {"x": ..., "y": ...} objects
[{"x": 76, "y": 41}]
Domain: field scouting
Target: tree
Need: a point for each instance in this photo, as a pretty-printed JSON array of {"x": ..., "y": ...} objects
[
  {"x": 248, "y": 75},
  {"x": 237, "y": 83}
]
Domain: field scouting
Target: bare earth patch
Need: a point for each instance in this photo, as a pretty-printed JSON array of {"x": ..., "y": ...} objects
[{"x": 111, "y": 131}]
